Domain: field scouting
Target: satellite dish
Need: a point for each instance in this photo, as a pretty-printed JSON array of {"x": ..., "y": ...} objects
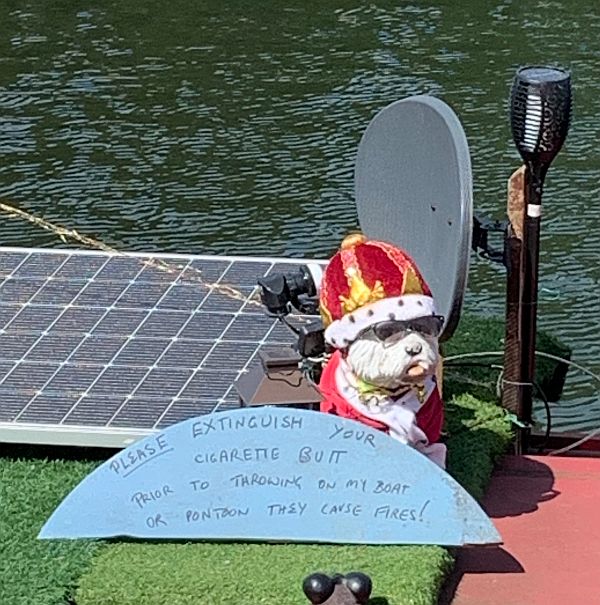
[{"x": 413, "y": 189}]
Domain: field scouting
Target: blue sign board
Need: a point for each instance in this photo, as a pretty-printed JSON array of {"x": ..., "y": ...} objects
[{"x": 272, "y": 474}]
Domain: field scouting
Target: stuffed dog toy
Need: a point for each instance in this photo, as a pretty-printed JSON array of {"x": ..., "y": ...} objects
[{"x": 380, "y": 318}]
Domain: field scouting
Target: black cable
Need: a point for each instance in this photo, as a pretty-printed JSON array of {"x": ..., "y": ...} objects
[
  {"x": 284, "y": 380},
  {"x": 287, "y": 324},
  {"x": 539, "y": 392}
]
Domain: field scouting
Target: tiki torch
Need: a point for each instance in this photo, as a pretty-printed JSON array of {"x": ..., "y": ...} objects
[{"x": 540, "y": 115}]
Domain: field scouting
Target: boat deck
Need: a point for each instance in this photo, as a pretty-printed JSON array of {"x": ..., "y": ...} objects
[{"x": 546, "y": 509}]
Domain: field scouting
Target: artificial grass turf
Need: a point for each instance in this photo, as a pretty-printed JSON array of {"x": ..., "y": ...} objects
[
  {"x": 250, "y": 574},
  {"x": 44, "y": 573},
  {"x": 35, "y": 572},
  {"x": 474, "y": 374}
]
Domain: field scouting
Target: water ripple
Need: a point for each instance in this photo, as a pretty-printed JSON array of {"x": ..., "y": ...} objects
[{"x": 204, "y": 128}]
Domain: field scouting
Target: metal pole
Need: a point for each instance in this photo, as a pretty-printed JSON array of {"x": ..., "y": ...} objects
[
  {"x": 529, "y": 297},
  {"x": 540, "y": 116}
]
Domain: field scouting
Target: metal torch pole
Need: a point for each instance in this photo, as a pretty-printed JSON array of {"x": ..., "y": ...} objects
[
  {"x": 540, "y": 116},
  {"x": 529, "y": 297}
]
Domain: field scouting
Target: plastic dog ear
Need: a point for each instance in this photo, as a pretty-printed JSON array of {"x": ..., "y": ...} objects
[
  {"x": 318, "y": 588},
  {"x": 360, "y": 585}
]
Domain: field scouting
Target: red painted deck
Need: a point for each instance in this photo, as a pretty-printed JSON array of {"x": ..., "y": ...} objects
[{"x": 547, "y": 510}]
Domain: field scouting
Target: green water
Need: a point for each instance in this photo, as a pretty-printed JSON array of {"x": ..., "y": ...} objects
[{"x": 231, "y": 127}]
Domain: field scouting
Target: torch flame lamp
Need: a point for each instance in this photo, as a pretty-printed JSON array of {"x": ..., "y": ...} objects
[{"x": 540, "y": 112}]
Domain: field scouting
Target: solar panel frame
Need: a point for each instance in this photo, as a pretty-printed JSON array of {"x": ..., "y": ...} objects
[{"x": 101, "y": 348}]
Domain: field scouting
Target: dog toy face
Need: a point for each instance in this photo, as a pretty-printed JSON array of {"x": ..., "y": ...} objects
[
  {"x": 380, "y": 317},
  {"x": 396, "y": 353},
  {"x": 351, "y": 589}
]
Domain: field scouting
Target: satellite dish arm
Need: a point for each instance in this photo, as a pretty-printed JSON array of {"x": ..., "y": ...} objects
[{"x": 482, "y": 227}]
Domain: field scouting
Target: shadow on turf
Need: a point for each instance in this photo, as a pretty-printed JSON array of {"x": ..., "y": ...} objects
[{"x": 20, "y": 451}]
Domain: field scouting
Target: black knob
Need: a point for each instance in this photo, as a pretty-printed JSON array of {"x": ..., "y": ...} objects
[
  {"x": 360, "y": 585},
  {"x": 318, "y": 588}
]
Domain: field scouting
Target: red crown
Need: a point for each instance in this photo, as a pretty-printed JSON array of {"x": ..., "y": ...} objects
[{"x": 364, "y": 272}]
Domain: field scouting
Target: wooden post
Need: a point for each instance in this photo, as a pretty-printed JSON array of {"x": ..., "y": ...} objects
[
  {"x": 439, "y": 375},
  {"x": 512, "y": 391}
]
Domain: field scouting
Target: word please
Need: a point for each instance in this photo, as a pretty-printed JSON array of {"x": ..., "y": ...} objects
[{"x": 136, "y": 456}]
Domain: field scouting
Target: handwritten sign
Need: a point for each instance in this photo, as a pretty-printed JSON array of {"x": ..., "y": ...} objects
[{"x": 272, "y": 474}]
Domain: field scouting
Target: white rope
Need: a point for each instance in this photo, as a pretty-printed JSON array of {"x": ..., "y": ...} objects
[
  {"x": 540, "y": 353},
  {"x": 571, "y": 446},
  {"x": 595, "y": 376}
]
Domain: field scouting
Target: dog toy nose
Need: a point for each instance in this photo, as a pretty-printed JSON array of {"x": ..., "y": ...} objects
[{"x": 414, "y": 348}]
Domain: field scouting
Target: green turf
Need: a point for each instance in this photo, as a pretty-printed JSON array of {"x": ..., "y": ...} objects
[
  {"x": 247, "y": 574},
  {"x": 46, "y": 573},
  {"x": 474, "y": 376},
  {"x": 478, "y": 433},
  {"x": 34, "y": 572}
]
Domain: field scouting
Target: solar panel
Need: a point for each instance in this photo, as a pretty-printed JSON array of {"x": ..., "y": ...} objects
[{"x": 101, "y": 349}]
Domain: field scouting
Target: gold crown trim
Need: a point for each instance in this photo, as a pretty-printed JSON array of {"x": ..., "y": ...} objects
[{"x": 360, "y": 294}]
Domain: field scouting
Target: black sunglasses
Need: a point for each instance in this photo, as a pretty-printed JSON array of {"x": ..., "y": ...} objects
[{"x": 428, "y": 325}]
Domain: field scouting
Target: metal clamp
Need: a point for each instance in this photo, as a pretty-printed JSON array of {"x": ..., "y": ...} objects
[{"x": 482, "y": 227}]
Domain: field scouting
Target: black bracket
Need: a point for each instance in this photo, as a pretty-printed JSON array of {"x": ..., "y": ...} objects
[{"x": 482, "y": 227}]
